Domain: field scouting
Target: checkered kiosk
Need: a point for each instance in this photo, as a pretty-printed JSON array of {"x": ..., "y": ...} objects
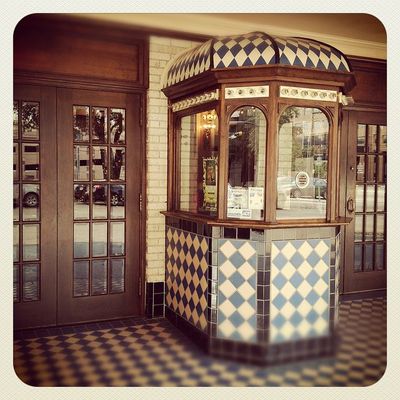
[{"x": 253, "y": 222}]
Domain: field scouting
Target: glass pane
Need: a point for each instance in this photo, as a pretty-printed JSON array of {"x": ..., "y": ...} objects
[
  {"x": 372, "y": 138},
  {"x": 117, "y": 163},
  {"x": 99, "y": 124},
  {"x": 81, "y": 278},
  {"x": 369, "y": 228},
  {"x": 117, "y": 275},
  {"x": 30, "y": 120},
  {"x": 379, "y": 256},
  {"x": 81, "y": 240},
  {"x": 382, "y": 138},
  {"x": 370, "y": 198},
  {"x": 81, "y": 201},
  {"x": 361, "y": 129},
  {"x": 198, "y": 176},
  {"x": 99, "y": 239},
  {"x": 359, "y": 198},
  {"x": 99, "y": 163},
  {"x": 16, "y": 202},
  {"x": 117, "y": 238},
  {"x": 117, "y": 126},
  {"x": 81, "y": 123},
  {"x": 99, "y": 276},
  {"x": 358, "y": 257},
  {"x": 246, "y": 174},
  {"x": 30, "y": 285},
  {"x": 360, "y": 175},
  {"x": 30, "y": 202},
  {"x": 16, "y": 243},
  {"x": 117, "y": 201},
  {"x": 31, "y": 242},
  {"x": 81, "y": 163},
  {"x": 358, "y": 228},
  {"x": 15, "y": 162},
  {"x": 381, "y": 176},
  {"x": 16, "y": 283},
  {"x": 380, "y": 227},
  {"x": 302, "y": 164},
  {"x": 380, "y": 198},
  {"x": 100, "y": 195},
  {"x": 368, "y": 257},
  {"x": 15, "y": 119},
  {"x": 371, "y": 168},
  {"x": 30, "y": 161}
]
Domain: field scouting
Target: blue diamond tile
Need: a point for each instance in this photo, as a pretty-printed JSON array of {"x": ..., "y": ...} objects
[
  {"x": 279, "y": 281},
  {"x": 296, "y": 279},
  {"x": 278, "y": 321},
  {"x": 296, "y": 299},
  {"x": 296, "y": 319},
  {"x": 237, "y": 280},
  {"x": 236, "y": 319},
  {"x": 279, "y": 301},
  {"x": 312, "y": 297},
  {"x": 312, "y": 278},
  {"x": 279, "y": 261}
]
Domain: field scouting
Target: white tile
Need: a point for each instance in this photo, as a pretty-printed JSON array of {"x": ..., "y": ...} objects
[
  {"x": 246, "y": 290},
  {"x": 227, "y": 308},
  {"x": 227, "y": 288},
  {"x": 321, "y": 267},
  {"x": 246, "y": 310},
  {"x": 287, "y": 310},
  {"x": 305, "y": 249},
  {"x": 247, "y": 250},
  {"x": 227, "y": 249},
  {"x": 304, "y": 308},
  {"x": 320, "y": 306},
  {"x": 320, "y": 287},
  {"x": 287, "y": 271},
  {"x": 246, "y": 331},
  {"x": 288, "y": 250},
  {"x": 227, "y": 268},
  {"x": 246, "y": 270},
  {"x": 321, "y": 248},
  {"x": 304, "y": 269},
  {"x": 288, "y": 290},
  {"x": 226, "y": 328},
  {"x": 304, "y": 288}
]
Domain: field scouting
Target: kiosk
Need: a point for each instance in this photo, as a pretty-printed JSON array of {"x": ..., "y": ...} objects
[{"x": 252, "y": 222}]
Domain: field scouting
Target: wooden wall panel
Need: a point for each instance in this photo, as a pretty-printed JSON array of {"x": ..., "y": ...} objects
[
  {"x": 56, "y": 48},
  {"x": 370, "y": 89}
]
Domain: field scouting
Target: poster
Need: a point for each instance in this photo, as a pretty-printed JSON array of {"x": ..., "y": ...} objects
[
  {"x": 210, "y": 183},
  {"x": 256, "y": 198}
]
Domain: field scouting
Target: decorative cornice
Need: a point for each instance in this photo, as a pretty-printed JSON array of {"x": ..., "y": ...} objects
[
  {"x": 294, "y": 92},
  {"x": 195, "y": 100},
  {"x": 244, "y": 92}
]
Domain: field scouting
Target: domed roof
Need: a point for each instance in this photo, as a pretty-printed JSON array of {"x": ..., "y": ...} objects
[{"x": 255, "y": 49}]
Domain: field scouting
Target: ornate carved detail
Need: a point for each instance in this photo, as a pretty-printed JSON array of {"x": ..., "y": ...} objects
[
  {"x": 195, "y": 100},
  {"x": 292, "y": 92},
  {"x": 244, "y": 92}
]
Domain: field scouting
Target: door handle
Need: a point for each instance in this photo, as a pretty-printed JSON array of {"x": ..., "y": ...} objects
[{"x": 350, "y": 205}]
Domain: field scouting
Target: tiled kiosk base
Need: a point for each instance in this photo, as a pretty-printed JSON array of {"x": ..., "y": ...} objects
[{"x": 263, "y": 296}]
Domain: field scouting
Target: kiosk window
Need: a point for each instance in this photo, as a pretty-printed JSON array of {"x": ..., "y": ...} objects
[{"x": 302, "y": 164}]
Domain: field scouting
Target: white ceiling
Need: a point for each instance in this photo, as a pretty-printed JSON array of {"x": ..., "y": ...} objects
[{"x": 354, "y": 34}]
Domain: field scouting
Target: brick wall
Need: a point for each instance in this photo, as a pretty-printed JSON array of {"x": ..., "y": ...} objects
[{"x": 161, "y": 51}]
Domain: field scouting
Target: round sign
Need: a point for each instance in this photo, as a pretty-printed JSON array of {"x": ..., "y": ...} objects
[{"x": 302, "y": 180}]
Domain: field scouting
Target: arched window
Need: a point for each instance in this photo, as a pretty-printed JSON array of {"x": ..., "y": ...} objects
[
  {"x": 302, "y": 164},
  {"x": 246, "y": 163}
]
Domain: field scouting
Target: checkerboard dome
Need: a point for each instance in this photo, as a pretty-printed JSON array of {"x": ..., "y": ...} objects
[{"x": 252, "y": 50}]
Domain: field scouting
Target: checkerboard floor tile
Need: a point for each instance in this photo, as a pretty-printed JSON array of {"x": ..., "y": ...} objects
[{"x": 154, "y": 353}]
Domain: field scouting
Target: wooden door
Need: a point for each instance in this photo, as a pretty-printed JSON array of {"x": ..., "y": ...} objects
[
  {"x": 34, "y": 206},
  {"x": 365, "y": 237},
  {"x": 100, "y": 164}
]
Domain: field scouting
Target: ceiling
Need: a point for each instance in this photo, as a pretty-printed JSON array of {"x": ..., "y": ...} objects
[{"x": 354, "y": 34}]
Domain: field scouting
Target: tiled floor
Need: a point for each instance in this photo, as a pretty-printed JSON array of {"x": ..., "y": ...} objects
[{"x": 142, "y": 352}]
